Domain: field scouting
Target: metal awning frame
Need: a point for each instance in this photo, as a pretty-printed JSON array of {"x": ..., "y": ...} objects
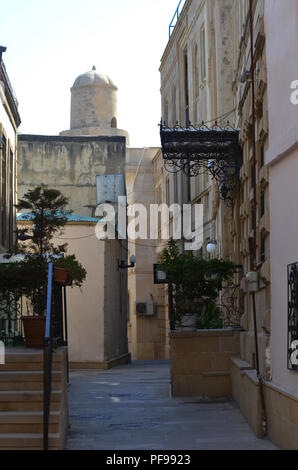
[{"x": 196, "y": 150}]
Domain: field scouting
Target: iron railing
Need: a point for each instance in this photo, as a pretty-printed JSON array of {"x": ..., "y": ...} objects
[{"x": 12, "y": 307}]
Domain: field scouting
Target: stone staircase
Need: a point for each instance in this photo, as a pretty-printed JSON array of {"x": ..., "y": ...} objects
[{"x": 21, "y": 400}]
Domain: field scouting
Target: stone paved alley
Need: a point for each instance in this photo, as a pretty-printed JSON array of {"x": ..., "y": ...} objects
[{"x": 129, "y": 407}]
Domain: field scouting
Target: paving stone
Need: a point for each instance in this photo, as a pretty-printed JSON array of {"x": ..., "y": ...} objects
[{"x": 129, "y": 407}]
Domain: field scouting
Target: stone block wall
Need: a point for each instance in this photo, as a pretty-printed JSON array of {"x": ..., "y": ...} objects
[{"x": 200, "y": 362}]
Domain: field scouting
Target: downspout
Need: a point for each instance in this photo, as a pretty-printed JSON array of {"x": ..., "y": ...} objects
[{"x": 254, "y": 244}]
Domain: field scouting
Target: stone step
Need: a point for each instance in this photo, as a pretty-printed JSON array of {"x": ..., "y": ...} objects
[
  {"x": 28, "y": 366},
  {"x": 29, "y": 400},
  {"x": 27, "y": 422},
  {"x": 33, "y": 441},
  {"x": 24, "y": 359},
  {"x": 27, "y": 380}
]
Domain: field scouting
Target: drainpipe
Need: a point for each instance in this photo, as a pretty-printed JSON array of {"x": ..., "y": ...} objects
[{"x": 254, "y": 241}]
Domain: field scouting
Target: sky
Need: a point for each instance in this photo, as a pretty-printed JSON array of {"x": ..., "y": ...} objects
[{"x": 50, "y": 43}]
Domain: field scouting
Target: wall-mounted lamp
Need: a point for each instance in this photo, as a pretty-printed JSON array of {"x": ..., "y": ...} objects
[
  {"x": 211, "y": 247},
  {"x": 123, "y": 265}
]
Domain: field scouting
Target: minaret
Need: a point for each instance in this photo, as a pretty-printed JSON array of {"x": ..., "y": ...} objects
[{"x": 94, "y": 106}]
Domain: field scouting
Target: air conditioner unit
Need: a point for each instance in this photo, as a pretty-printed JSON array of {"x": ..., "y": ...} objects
[{"x": 145, "y": 309}]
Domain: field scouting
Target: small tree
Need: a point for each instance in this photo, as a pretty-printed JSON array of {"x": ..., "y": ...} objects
[
  {"x": 196, "y": 282},
  {"x": 46, "y": 209}
]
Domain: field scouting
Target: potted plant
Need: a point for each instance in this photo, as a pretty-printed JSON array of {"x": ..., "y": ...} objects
[
  {"x": 45, "y": 208},
  {"x": 196, "y": 284},
  {"x": 75, "y": 273}
]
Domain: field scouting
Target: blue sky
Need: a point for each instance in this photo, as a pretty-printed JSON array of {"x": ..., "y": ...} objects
[{"x": 50, "y": 43}]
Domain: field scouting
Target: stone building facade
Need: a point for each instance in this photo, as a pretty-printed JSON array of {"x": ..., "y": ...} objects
[
  {"x": 276, "y": 137},
  {"x": 9, "y": 123},
  {"x": 242, "y": 228},
  {"x": 196, "y": 89},
  {"x": 265, "y": 199},
  {"x": 196, "y": 76}
]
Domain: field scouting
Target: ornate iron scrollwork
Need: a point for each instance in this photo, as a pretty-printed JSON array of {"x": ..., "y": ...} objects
[
  {"x": 293, "y": 316},
  {"x": 11, "y": 309},
  {"x": 230, "y": 305},
  {"x": 196, "y": 150}
]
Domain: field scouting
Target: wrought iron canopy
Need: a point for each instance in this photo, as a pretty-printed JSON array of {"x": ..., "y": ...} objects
[{"x": 195, "y": 150}]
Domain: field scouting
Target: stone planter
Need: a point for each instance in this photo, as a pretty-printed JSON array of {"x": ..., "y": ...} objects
[
  {"x": 200, "y": 362},
  {"x": 188, "y": 322}
]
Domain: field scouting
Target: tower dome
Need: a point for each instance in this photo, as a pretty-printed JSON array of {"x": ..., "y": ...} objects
[
  {"x": 93, "y": 77},
  {"x": 93, "y": 101}
]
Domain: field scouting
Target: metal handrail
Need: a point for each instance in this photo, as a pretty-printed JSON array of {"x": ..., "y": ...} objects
[
  {"x": 55, "y": 334},
  {"x": 48, "y": 356}
]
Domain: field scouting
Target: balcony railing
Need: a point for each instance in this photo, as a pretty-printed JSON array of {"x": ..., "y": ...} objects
[{"x": 175, "y": 17}]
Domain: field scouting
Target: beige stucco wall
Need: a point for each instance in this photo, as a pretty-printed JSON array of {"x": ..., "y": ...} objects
[
  {"x": 85, "y": 306},
  {"x": 97, "y": 313}
]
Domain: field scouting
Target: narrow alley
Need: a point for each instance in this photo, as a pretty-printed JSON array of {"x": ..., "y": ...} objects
[{"x": 129, "y": 407}]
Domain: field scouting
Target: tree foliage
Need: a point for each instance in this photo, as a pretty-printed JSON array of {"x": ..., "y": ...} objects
[
  {"x": 196, "y": 281},
  {"x": 46, "y": 209}
]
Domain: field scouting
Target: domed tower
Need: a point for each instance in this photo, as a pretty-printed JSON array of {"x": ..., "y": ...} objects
[
  {"x": 94, "y": 106},
  {"x": 93, "y": 101}
]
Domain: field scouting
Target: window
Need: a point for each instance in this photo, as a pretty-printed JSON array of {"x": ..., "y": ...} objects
[
  {"x": 203, "y": 54},
  {"x": 168, "y": 191},
  {"x": 252, "y": 176},
  {"x": 186, "y": 95},
  {"x": 263, "y": 249},
  {"x": 252, "y": 216},
  {"x": 196, "y": 84},
  {"x": 175, "y": 177},
  {"x": 174, "y": 116},
  {"x": 3, "y": 201},
  {"x": 262, "y": 159},
  {"x": 114, "y": 123},
  {"x": 11, "y": 199},
  {"x": 262, "y": 203},
  {"x": 166, "y": 112},
  {"x": 187, "y": 188}
]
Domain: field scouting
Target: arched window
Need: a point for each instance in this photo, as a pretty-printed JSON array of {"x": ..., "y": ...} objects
[{"x": 114, "y": 123}]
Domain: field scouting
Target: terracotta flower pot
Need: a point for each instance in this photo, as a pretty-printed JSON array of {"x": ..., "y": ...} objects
[
  {"x": 34, "y": 328},
  {"x": 61, "y": 275}
]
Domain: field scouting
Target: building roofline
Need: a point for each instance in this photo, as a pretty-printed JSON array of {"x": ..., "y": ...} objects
[
  {"x": 9, "y": 94},
  {"x": 60, "y": 138}
]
